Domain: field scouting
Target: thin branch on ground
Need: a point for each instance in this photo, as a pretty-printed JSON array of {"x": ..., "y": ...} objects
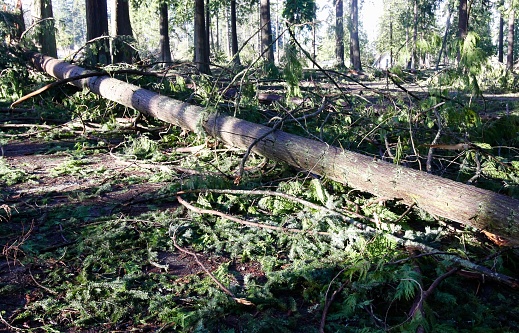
[
  {"x": 220, "y": 285},
  {"x": 328, "y": 302},
  {"x": 247, "y": 223},
  {"x": 428, "y": 164}
]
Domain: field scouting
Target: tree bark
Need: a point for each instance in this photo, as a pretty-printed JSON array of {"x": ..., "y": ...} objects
[
  {"x": 201, "y": 51},
  {"x": 20, "y": 25},
  {"x": 510, "y": 40},
  {"x": 414, "y": 52},
  {"x": 45, "y": 32},
  {"x": 339, "y": 33},
  {"x": 463, "y": 19},
  {"x": 122, "y": 51},
  {"x": 354, "y": 37},
  {"x": 164, "y": 44},
  {"x": 234, "y": 35},
  {"x": 266, "y": 32},
  {"x": 500, "y": 38},
  {"x": 444, "y": 41},
  {"x": 466, "y": 204},
  {"x": 97, "y": 26},
  {"x": 207, "y": 41}
]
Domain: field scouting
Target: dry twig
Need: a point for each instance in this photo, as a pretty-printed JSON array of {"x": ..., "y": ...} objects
[{"x": 220, "y": 285}]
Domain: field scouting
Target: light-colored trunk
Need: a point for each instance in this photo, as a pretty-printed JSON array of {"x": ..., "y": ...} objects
[{"x": 440, "y": 197}]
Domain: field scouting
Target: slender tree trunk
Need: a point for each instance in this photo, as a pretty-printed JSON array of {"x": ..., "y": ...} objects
[
  {"x": 201, "y": 51},
  {"x": 164, "y": 42},
  {"x": 266, "y": 32},
  {"x": 463, "y": 20},
  {"x": 207, "y": 42},
  {"x": 500, "y": 38},
  {"x": 228, "y": 34},
  {"x": 45, "y": 32},
  {"x": 122, "y": 51},
  {"x": 445, "y": 35},
  {"x": 466, "y": 204},
  {"x": 354, "y": 37},
  {"x": 97, "y": 26},
  {"x": 414, "y": 53},
  {"x": 510, "y": 40},
  {"x": 234, "y": 35},
  {"x": 21, "y": 23},
  {"x": 339, "y": 33}
]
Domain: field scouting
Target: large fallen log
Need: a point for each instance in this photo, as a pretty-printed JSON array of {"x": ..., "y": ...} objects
[{"x": 469, "y": 205}]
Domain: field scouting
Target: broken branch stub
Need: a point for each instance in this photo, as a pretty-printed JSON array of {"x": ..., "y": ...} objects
[{"x": 466, "y": 204}]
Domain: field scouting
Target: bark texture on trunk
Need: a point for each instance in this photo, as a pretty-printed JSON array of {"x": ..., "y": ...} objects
[
  {"x": 122, "y": 51},
  {"x": 97, "y": 26},
  {"x": 266, "y": 31},
  {"x": 510, "y": 40},
  {"x": 234, "y": 34},
  {"x": 339, "y": 33},
  {"x": 469, "y": 205},
  {"x": 463, "y": 19},
  {"x": 45, "y": 32},
  {"x": 165, "y": 48},
  {"x": 354, "y": 36},
  {"x": 201, "y": 50}
]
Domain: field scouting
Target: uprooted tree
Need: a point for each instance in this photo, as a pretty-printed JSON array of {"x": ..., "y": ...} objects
[{"x": 485, "y": 210}]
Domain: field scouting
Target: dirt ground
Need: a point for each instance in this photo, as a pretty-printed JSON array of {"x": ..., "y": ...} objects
[{"x": 24, "y": 207}]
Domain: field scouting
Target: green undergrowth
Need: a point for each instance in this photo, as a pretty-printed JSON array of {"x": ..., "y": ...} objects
[
  {"x": 118, "y": 271},
  {"x": 110, "y": 255}
]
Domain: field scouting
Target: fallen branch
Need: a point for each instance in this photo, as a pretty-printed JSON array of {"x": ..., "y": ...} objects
[
  {"x": 220, "y": 285},
  {"x": 247, "y": 223},
  {"x": 367, "y": 230}
]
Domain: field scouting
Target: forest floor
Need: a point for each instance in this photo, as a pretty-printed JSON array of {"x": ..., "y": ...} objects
[{"x": 65, "y": 187}]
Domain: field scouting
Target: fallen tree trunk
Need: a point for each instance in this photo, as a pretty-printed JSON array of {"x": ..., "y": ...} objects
[{"x": 469, "y": 205}]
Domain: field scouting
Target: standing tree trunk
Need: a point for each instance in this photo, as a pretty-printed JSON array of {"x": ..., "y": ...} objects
[
  {"x": 97, "y": 26},
  {"x": 354, "y": 36},
  {"x": 234, "y": 35},
  {"x": 122, "y": 50},
  {"x": 510, "y": 40},
  {"x": 339, "y": 34},
  {"x": 45, "y": 36},
  {"x": 164, "y": 44},
  {"x": 463, "y": 20},
  {"x": 20, "y": 25},
  {"x": 266, "y": 32},
  {"x": 500, "y": 38},
  {"x": 445, "y": 35},
  {"x": 414, "y": 52},
  {"x": 207, "y": 41},
  {"x": 201, "y": 50}
]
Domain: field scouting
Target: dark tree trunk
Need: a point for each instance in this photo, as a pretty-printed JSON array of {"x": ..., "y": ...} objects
[
  {"x": 339, "y": 34},
  {"x": 45, "y": 32},
  {"x": 201, "y": 51},
  {"x": 500, "y": 38},
  {"x": 122, "y": 50},
  {"x": 354, "y": 37},
  {"x": 97, "y": 26},
  {"x": 20, "y": 25},
  {"x": 463, "y": 20},
  {"x": 234, "y": 34},
  {"x": 266, "y": 32},
  {"x": 165, "y": 47},
  {"x": 207, "y": 42},
  {"x": 510, "y": 40}
]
